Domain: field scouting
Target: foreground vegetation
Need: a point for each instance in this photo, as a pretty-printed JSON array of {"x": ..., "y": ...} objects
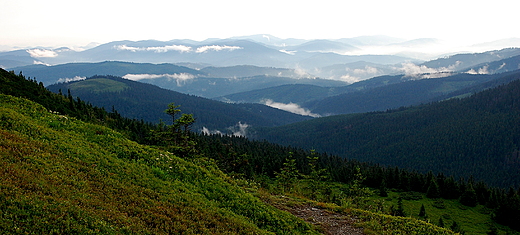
[{"x": 62, "y": 176}]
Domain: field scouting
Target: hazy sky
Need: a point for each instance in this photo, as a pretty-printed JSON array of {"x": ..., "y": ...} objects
[{"x": 77, "y": 23}]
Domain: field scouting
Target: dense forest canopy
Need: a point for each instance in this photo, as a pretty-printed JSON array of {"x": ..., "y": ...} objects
[{"x": 475, "y": 136}]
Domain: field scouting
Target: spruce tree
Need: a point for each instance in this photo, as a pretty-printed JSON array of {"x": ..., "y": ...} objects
[
  {"x": 433, "y": 189},
  {"x": 400, "y": 210},
  {"x": 288, "y": 173},
  {"x": 382, "y": 189},
  {"x": 422, "y": 212},
  {"x": 456, "y": 228},
  {"x": 441, "y": 222},
  {"x": 469, "y": 197}
]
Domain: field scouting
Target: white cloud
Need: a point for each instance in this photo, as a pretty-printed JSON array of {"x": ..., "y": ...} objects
[
  {"x": 207, "y": 131},
  {"x": 502, "y": 66},
  {"x": 137, "y": 77},
  {"x": 483, "y": 70},
  {"x": 77, "y": 78},
  {"x": 180, "y": 48},
  {"x": 423, "y": 71},
  {"x": 180, "y": 78},
  {"x": 288, "y": 52},
  {"x": 41, "y": 62},
  {"x": 217, "y": 48},
  {"x": 301, "y": 72},
  {"x": 37, "y": 53},
  {"x": 349, "y": 79},
  {"x": 126, "y": 48},
  {"x": 240, "y": 129},
  {"x": 367, "y": 70},
  {"x": 290, "y": 107},
  {"x": 413, "y": 69}
]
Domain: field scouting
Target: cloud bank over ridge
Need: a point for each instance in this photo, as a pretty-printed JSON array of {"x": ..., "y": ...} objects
[{"x": 179, "y": 48}]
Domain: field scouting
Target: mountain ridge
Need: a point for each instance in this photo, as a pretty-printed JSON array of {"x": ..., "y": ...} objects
[
  {"x": 147, "y": 102},
  {"x": 459, "y": 136}
]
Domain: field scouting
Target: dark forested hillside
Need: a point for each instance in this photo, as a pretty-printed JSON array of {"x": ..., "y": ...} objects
[
  {"x": 295, "y": 93},
  {"x": 375, "y": 94},
  {"x": 405, "y": 91},
  {"x": 148, "y": 102},
  {"x": 464, "y": 62},
  {"x": 477, "y": 136}
]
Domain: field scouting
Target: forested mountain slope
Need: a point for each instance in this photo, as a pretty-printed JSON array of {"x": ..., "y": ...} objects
[
  {"x": 148, "y": 102},
  {"x": 475, "y": 136},
  {"x": 408, "y": 91},
  {"x": 464, "y": 62},
  {"x": 375, "y": 94}
]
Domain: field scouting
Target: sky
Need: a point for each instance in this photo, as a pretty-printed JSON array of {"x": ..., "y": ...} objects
[{"x": 56, "y": 23}]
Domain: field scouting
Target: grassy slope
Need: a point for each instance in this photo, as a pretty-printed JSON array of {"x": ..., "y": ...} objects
[
  {"x": 60, "y": 175},
  {"x": 472, "y": 220}
]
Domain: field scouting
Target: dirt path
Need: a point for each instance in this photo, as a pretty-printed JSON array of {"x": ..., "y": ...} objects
[{"x": 329, "y": 222}]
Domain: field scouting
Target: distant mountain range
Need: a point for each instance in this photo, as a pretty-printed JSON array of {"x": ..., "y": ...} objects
[
  {"x": 308, "y": 55},
  {"x": 465, "y": 62},
  {"x": 297, "y": 91},
  {"x": 207, "y": 82},
  {"x": 343, "y": 59},
  {"x": 385, "y": 92}
]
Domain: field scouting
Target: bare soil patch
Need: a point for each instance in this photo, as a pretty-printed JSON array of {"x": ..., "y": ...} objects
[{"x": 329, "y": 222}]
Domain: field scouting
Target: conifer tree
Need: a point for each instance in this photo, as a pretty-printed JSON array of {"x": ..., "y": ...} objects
[
  {"x": 422, "y": 212},
  {"x": 456, "y": 228},
  {"x": 469, "y": 197},
  {"x": 441, "y": 222},
  {"x": 316, "y": 174},
  {"x": 382, "y": 189},
  {"x": 400, "y": 209},
  {"x": 433, "y": 189},
  {"x": 179, "y": 132},
  {"x": 288, "y": 173},
  {"x": 356, "y": 188}
]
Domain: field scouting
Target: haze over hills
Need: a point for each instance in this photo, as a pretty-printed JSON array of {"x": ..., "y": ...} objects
[
  {"x": 348, "y": 59},
  {"x": 384, "y": 92},
  {"x": 221, "y": 52}
]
